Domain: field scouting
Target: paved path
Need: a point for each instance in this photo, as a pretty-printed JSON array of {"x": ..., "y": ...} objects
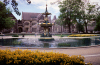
[{"x": 91, "y": 54}]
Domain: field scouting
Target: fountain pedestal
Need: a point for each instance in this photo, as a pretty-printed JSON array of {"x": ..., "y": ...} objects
[{"x": 46, "y": 36}]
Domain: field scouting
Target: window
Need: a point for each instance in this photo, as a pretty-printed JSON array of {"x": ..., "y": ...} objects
[
  {"x": 26, "y": 29},
  {"x": 26, "y": 23},
  {"x": 19, "y": 22},
  {"x": 33, "y": 23},
  {"x": 93, "y": 24},
  {"x": 33, "y": 29}
]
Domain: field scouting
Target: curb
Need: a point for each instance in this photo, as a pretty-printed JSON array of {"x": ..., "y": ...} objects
[{"x": 50, "y": 48}]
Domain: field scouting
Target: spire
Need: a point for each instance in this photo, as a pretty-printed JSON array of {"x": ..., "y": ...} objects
[
  {"x": 46, "y": 9},
  {"x": 46, "y": 12}
]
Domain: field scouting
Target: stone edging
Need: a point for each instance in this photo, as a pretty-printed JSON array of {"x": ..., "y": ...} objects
[{"x": 51, "y": 48}]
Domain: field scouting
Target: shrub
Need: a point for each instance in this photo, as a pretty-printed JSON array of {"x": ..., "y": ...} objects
[
  {"x": 28, "y": 57},
  {"x": 61, "y": 35},
  {"x": 15, "y": 35},
  {"x": 63, "y": 45}
]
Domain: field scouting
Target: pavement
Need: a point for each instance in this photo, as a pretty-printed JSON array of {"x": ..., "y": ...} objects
[{"x": 91, "y": 53}]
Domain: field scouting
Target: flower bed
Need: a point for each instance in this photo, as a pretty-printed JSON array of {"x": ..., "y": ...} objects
[
  {"x": 81, "y": 35},
  {"x": 28, "y": 57}
]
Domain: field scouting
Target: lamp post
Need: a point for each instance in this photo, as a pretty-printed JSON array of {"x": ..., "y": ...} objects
[{"x": 86, "y": 25}]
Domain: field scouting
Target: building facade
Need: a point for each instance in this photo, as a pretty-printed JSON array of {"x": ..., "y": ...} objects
[{"x": 29, "y": 24}]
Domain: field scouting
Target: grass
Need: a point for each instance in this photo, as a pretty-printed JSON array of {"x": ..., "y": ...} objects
[{"x": 62, "y": 35}]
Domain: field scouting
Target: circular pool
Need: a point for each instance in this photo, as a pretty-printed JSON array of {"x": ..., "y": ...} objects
[{"x": 57, "y": 43}]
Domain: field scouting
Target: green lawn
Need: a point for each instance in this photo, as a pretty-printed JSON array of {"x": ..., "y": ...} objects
[{"x": 63, "y": 35}]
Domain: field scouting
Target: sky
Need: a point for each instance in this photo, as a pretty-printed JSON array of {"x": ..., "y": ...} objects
[{"x": 38, "y": 6}]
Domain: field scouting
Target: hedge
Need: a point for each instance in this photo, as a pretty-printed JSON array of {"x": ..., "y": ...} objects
[{"x": 15, "y": 35}]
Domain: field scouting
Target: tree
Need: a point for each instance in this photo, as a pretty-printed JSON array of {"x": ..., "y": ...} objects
[
  {"x": 69, "y": 10},
  {"x": 5, "y": 20},
  {"x": 80, "y": 27},
  {"x": 97, "y": 28},
  {"x": 90, "y": 12},
  {"x": 59, "y": 22},
  {"x": 14, "y": 5},
  {"x": 76, "y": 9}
]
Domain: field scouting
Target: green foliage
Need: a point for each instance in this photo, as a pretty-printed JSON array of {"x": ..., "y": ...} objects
[
  {"x": 80, "y": 27},
  {"x": 90, "y": 12},
  {"x": 86, "y": 41},
  {"x": 15, "y": 35},
  {"x": 5, "y": 20},
  {"x": 63, "y": 45},
  {"x": 15, "y": 42},
  {"x": 14, "y": 5},
  {"x": 62, "y": 36},
  {"x": 69, "y": 11},
  {"x": 58, "y": 21},
  {"x": 97, "y": 28}
]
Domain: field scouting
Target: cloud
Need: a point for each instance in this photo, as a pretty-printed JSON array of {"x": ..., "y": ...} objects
[
  {"x": 41, "y": 4},
  {"x": 41, "y": 7},
  {"x": 38, "y": 2},
  {"x": 95, "y": 2},
  {"x": 22, "y": 2}
]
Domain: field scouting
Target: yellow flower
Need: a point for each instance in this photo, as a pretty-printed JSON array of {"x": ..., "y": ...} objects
[{"x": 38, "y": 57}]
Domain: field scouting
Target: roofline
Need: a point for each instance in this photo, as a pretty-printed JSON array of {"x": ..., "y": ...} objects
[{"x": 14, "y": 16}]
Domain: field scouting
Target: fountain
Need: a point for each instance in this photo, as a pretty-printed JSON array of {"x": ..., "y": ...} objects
[{"x": 46, "y": 36}]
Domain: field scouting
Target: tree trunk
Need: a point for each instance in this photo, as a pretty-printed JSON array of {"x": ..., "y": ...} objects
[
  {"x": 61, "y": 28},
  {"x": 69, "y": 29},
  {"x": 86, "y": 27}
]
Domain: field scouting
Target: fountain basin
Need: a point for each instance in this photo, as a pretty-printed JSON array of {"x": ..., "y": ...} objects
[{"x": 55, "y": 43}]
